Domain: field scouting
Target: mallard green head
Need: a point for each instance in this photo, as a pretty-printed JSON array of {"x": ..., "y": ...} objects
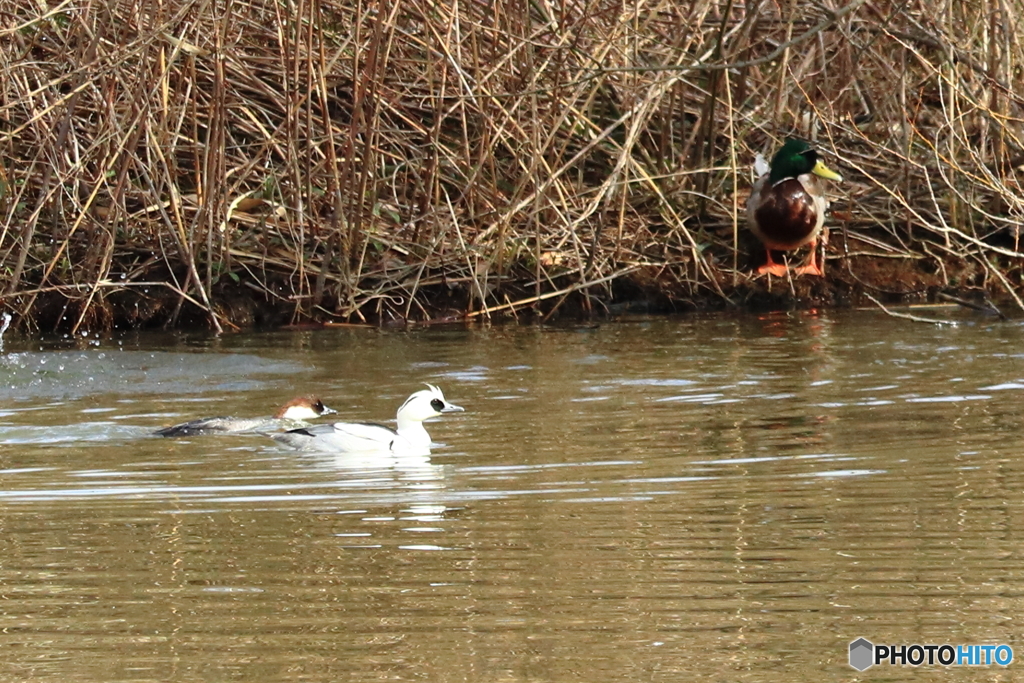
[{"x": 796, "y": 158}]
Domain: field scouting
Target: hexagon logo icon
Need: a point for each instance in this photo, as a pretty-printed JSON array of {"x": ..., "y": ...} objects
[{"x": 862, "y": 654}]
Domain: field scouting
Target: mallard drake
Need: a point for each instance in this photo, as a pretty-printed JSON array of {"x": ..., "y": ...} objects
[{"x": 786, "y": 209}]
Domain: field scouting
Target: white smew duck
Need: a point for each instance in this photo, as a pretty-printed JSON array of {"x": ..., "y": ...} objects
[
  {"x": 410, "y": 437},
  {"x": 292, "y": 415}
]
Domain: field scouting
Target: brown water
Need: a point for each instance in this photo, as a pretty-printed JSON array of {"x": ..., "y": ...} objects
[{"x": 646, "y": 500}]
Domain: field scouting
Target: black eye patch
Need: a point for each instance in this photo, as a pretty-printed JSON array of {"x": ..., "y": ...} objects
[{"x": 437, "y": 404}]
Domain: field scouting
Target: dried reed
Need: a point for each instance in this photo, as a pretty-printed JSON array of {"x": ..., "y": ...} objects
[{"x": 406, "y": 160}]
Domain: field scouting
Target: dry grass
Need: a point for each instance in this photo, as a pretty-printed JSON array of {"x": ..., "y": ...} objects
[{"x": 386, "y": 161}]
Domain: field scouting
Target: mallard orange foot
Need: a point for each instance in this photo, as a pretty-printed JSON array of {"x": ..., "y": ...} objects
[
  {"x": 811, "y": 267},
  {"x": 772, "y": 268}
]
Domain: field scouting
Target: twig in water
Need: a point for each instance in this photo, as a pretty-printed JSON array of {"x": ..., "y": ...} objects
[
  {"x": 987, "y": 307},
  {"x": 907, "y": 316}
]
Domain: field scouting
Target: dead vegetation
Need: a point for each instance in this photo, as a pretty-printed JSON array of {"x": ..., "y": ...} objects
[{"x": 341, "y": 161}]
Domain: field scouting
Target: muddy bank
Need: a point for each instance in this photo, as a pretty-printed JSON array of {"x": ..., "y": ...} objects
[{"x": 854, "y": 281}]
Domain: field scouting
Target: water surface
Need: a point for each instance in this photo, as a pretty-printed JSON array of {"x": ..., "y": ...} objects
[{"x": 639, "y": 500}]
